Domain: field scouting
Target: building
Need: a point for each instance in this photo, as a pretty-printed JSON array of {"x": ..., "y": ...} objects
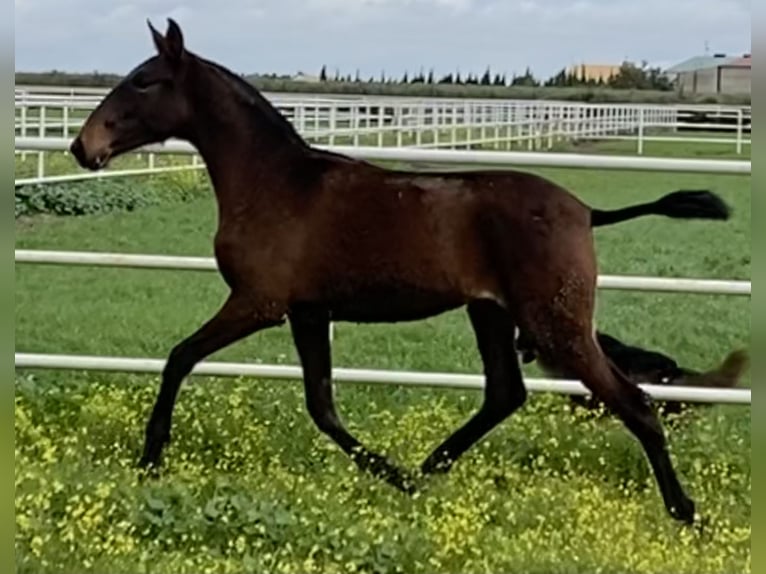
[
  {"x": 717, "y": 74},
  {"x": 594, "y": 72},
  {"x": 301, "y": 77}
]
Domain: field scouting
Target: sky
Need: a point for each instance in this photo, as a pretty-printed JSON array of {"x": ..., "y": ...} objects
[{"x": 374, "y": 36}]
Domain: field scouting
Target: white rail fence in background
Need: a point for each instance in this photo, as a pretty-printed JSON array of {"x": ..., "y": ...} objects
[
  {"x": 497, "y": 159},
  {"x": 187, "y": 263},
  {"x": 438, "y": 123},
  {"x": 411, "y": 155},
  {"x": 404, "y": 378}
]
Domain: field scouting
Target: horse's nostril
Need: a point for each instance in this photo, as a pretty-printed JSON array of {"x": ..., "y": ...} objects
[{"x": 109, "y": 124}]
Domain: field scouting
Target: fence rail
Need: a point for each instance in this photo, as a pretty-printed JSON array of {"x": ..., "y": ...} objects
[
  {"x": 187, "y": 263},
  {"x": 427, "y": 122},
  {"x": 498, "y": 159},
  {"x": 408, "y": 378}
]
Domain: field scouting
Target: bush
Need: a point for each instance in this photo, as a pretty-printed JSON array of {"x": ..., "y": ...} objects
[{"x": 106, "y": 195}]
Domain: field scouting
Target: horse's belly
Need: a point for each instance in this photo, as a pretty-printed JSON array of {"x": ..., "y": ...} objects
[{"x": 390, "y": 305}]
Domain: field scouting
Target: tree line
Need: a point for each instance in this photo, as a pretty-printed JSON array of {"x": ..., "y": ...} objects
[
  {"x": 629, "y": 76},
  {"x": 632, "y": 83}
]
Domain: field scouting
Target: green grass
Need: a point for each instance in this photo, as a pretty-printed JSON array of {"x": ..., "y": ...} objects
[
  {"x": 250, "y": 485},
  {"x": 664, "y": 148}
]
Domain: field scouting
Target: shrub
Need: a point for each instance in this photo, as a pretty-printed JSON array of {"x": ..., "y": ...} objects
[{"x": 106, "y": 195}]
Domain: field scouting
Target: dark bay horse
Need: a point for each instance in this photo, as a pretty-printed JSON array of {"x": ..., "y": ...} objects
[
  {"x": 308, "y": 236},
  {"x": 648, "y": 366}
]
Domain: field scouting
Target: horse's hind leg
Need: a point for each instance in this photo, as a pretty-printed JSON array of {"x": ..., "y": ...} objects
[
  {"x": 504, "y": 390},
  {"x": 310, "y": 331},
  {"x": 571, "y": 344}
]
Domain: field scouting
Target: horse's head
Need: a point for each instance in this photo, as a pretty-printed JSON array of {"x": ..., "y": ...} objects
[{"x": 148, "y": 106}]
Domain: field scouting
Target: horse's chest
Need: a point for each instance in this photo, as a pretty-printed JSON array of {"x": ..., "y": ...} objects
[{"x": 252, "y": 263}]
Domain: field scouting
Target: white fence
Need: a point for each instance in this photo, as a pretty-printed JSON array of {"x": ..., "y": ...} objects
[
  {"x": 438, "y": 123},
  {"x": 408, "y": 378},
  {"x": 498, "y": 159},
  {"x": 185, "y": 263}
]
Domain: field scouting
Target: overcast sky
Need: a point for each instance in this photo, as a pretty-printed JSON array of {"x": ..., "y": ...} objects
[{"x": 285, "y": 36}]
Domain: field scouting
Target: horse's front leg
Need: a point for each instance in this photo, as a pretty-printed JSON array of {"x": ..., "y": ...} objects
[{"x": 236, "y": 319}]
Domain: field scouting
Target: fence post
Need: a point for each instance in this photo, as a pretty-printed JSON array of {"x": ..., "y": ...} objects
[
  {"x": 300, "y": 110},
  {"x": 453, "y": 126},
  {"x": 740, "y": 119},
  {"x": 331, "y": 138},
  {"x": 381, "y": 114},
  {"x": 538, "y": 127},
  {"x": 420, "y": 123},
  {"x": 507, "y": 125},
  {"x": 552, "y": 112},
  {"x": 41, "y": 154},
  {"x": 641, "y": 131},
  {"x": 531, "y": 127},
  {"x": 65, "y": 122},
  {"x": 24, "y": 123},
  {"x": 355, "y": 123}
]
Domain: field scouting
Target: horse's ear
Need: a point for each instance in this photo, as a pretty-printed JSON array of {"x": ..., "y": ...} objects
[
  {"x": 174, "y": 41},
  {"x": 159, "y": 41}
]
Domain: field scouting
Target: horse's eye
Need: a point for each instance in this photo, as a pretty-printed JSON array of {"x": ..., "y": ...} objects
[
  {"x": 141, "y": 83},
  {"x": 144, "y": 82}
]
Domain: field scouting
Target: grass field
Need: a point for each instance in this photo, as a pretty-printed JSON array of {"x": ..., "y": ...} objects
[{"x": 250, "y": 485}]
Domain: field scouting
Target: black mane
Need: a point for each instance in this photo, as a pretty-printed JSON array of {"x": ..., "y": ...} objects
[{"x": 251, "y": 97}]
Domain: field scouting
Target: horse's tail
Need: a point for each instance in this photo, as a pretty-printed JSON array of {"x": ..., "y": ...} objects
[
  {"x": 727, "y": 375},
  {"x": 682, "y": 204}
]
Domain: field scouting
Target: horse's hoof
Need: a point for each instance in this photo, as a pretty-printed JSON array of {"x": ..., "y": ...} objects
[
  {"x": 684, "y": 511},
  {"x": 407, "y": 485},
  {"x": 148, "y": 467},
  {"x": 400, "y": 479}
]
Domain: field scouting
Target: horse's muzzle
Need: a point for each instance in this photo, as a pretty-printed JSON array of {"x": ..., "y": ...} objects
[{"x": 94, "y": 162}]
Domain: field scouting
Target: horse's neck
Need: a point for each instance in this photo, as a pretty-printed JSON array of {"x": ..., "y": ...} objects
[{"x": 240, "y": 144}]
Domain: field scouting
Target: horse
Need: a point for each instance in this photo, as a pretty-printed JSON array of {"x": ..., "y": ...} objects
[
  {"x": 309, "y": 236},
  {"x": 642, "y": 365}
]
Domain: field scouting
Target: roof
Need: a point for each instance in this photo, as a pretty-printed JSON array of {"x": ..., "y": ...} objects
[
  {"x": 743, "y": 62},
  {"x": 595, "y": 71},
  {"x": 700, "y": 63}
]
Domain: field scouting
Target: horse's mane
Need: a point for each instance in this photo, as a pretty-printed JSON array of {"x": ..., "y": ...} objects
[{"x": 252, "y": 98}]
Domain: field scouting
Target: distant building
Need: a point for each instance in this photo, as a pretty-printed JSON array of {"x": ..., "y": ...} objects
[
  {"x": 716, "y": 74},
  {"x": 594, "y": 72},
  {"x": 301, "y": 77}
]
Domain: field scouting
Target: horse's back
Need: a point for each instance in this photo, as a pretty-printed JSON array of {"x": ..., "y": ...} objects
[{"x": 424, "y": 242}]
